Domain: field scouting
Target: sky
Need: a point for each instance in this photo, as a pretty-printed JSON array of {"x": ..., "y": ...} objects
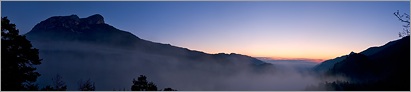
[{"x": 278, "y": 29}]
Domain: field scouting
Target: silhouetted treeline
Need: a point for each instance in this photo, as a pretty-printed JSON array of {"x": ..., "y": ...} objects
[
  {"x": 58, "y": 85},
  {"x": 141, "y": 84},
  {"x": 379, "y": 85},
  {"x": 87, "y": 85}
]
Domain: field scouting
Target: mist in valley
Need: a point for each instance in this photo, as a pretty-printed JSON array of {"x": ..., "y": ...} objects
[{"x": 114, "y": 69}]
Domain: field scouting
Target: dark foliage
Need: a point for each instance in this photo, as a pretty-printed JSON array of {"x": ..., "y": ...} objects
[
  {"x": 31, "y": 87},
  {"x": 379, "y": 85},
  {"x": 17, "y": 59},
  {"x": 58, "y": 85},
  {"x": 87, "y": 85},
  {"x": 48, "y": 88},
  {"x": 142, "y": 85},
  {"x": 124, "y": 89},
  {"x": 169, "y": 89}
]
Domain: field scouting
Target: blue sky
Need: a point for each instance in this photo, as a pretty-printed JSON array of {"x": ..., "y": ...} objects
[{"x": 296, "y": 29}]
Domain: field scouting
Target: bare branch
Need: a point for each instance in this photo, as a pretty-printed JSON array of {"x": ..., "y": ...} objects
[{"x": 400, "y": 17}]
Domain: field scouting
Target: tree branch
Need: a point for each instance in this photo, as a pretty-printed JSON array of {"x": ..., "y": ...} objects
[{"x": 400, "y": 17}]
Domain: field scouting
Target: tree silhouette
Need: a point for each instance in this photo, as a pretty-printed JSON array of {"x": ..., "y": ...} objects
[
  {"x": 31, "y": 87},
  {"x": 169, "y": 89},
  {"x": 87, "y": 85},
  {"x": 59, "y": 84},
  {"x": 405, "y": 18},
  {"x": 48, "y": 88},
  {"x": 142, "y": 85},
  {"x": 17, "y": 58}
]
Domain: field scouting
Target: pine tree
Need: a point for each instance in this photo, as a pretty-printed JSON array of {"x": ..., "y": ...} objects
[{"x": 17, "y": 59}]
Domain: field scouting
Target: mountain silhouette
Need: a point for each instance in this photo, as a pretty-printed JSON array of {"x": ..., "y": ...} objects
[
  {"x": 72, "y": 28},
  {"x": 384, "y": 68},
  {"x": 328, "y": 64},
  {"x": 93, "y": 30},
  {"x": 80, "y": 48}
]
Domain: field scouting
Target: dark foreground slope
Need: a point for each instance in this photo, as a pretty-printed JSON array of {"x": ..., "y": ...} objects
[
  {"x": 88, "y": 48},
  {"x": 378, "y": 68}
]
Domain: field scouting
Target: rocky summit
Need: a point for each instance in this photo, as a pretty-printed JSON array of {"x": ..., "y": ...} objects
[{"x": 70, "y": 23}]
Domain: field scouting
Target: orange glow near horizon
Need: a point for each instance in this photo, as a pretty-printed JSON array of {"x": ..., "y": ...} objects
[
  {"x": 280, "y": 30},
  {"x": 291, "y": 51}
]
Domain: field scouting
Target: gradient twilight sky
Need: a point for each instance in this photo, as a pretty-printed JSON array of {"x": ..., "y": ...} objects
[{"x": 295, "y": 29}]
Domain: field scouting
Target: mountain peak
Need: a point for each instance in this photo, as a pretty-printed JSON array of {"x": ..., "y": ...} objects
[
  {"x": 94, "y": 19},
  {"x": 91, "y": 29},
  {"x": 352, "y": 53},
  {"x": 68, "y": 23}
]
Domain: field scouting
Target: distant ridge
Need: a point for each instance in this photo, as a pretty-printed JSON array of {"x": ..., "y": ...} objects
[{"x": 278, "y": 58}]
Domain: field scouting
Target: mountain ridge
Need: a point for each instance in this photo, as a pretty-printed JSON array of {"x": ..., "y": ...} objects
[
  {"x": 76, "y": 26},
  {"x": 327, "y": 64},
  {"x": 78, "y": 48},
  {"x": 377, "y": 68}
]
